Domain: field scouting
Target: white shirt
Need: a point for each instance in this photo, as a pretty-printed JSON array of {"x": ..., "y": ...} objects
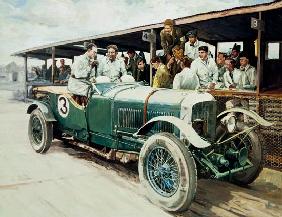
[
  {"x": 186, "y": 79},
  {"x": 206, "y": 71},
  {"x": 192, "y": 51},
  {"x": 112, "y": 69},
  {"x": 236, "y": 78},
  {"x": 248, "y": 75}
]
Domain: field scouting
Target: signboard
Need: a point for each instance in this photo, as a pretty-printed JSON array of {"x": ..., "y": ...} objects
[
  {"x": 150, "y": 37},
  {"x": 257, "y": 24}
]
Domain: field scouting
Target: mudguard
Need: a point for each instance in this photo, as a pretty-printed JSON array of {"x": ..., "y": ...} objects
[
  {"x": 184, "y": 128},
  {"x": 251, "y": 114},
  {"x": 45, "y": 109}
]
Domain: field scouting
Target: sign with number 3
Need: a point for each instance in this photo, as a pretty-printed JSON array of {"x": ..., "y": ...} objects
[{"x": 63, "y": 106}]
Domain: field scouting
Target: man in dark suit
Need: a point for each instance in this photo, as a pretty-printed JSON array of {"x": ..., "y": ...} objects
[
  {"x": 143, "y": 72},
  {"x": 171, "y": 36},
  {"x": 132, "y": 63}
]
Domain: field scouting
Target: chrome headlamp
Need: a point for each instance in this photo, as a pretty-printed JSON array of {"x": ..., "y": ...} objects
[{"x": 230, "y": 122}]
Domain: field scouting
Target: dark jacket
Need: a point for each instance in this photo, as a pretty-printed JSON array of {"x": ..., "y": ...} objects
[
  {"x": 144, "y": 75},
  {"x": 169, "y": 41},
  {"x": 132, "y": 66}
]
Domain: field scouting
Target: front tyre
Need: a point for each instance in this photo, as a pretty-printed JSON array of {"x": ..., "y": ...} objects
[
  {"x": 252, "y": 143},
  {"x": 40, "y": 132},
  {"x": 167, "y": 172}
]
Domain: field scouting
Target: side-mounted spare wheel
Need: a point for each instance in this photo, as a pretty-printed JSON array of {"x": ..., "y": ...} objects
[
  {"x": 40, "y": 132},
  {"x": 167, "y": 171}
]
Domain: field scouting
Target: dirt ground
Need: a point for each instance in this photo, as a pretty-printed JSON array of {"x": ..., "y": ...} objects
[{"x": 68, "y": 181}]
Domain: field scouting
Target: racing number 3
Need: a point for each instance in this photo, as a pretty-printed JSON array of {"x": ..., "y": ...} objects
[{"x": 63, "y": 106}]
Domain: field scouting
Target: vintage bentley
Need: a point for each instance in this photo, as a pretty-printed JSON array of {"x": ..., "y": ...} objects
[{"x": 177, "y": 136}]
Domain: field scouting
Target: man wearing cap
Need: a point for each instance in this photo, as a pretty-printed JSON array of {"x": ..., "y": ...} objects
[
  {"x": 205, "y": 68},
  {"x": 171, "y": 36},
  {"x": 82, "y": 72},
  {"x": 112, "y": 66},
  {"x": 248, "y": 72},
  {"x": 193, "y": 44},
  {"x": 235, "y": 55}
]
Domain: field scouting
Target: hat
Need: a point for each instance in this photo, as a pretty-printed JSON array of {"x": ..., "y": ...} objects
[
  {"x": 168, "y": 22},
  {"x": 236, "y": 47},
  {"x": 192, "y": 33},
  {"x": 244, "y": 54},
  {"x": 204, "y": 48}
]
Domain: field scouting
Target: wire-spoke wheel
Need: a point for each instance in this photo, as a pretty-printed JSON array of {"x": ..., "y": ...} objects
[
  {"x": 167, "y": 172},
  {"x": 40, "y": 132},
  {"x": 253, "y": 145}
]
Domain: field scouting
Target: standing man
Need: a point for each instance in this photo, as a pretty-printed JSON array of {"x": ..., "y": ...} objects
[
  {"x": 132, "y": 63},
  {"x": 112, "y": 66},
  {"x": 235, "y": 55},
  {"x": 205, "y": 68},
  {"x": 193, "y": 44},
  {"x": 81, "y": 73},
  {"x": 248, "y": 72},
  {"x": 171, "y": 36}
]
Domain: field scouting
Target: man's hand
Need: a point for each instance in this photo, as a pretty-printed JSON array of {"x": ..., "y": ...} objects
[{"x": 211, "y": 85}]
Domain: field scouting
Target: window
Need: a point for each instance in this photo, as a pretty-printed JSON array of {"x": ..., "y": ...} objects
[{"x": 272, "y": 50}]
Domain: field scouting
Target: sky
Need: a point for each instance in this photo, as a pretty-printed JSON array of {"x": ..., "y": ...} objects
[{"x": 29, "y": 23}]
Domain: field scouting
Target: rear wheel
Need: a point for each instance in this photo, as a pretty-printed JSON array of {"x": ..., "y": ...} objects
[
  {"x": 167, "y": 172},
  {"x": 40, "y": 132}
]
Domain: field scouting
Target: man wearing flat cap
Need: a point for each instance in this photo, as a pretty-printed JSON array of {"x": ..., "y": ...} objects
[
  {"x": 205, "y": 68},
  {"x": 193, "y": 44},
  {"x": 171, "y": 36},
  {"x": 248, "y": 72}
]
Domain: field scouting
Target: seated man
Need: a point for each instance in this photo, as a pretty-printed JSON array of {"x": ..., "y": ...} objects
[
  {"x": 64, "y": 73},
  {"x": 82, "y": 72},
  {"x": 220, "y": 62},
  {"x": 112, "y": 66},
  {"x": 232, "y": 76},
  {"x": 205, "y": 68},
  {"x": 248, "y": 72},
  {"x": 143, "y": 71},
  {"x": 132, "y": 62}
]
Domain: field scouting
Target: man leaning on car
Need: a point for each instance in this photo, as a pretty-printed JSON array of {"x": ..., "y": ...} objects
[{"x": 81, "y": 73}]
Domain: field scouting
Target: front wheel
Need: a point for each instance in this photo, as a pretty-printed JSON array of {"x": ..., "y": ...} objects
[
  {"x": 167, "y": 171},
  {"x": 40, "y": 132},
  {"x": 253, "y": 145}
]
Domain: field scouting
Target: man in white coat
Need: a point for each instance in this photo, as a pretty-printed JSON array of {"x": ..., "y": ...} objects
[
  {"x": 112, "y": 66},
  {"x": 205, "y": 68},
  {"x": 82, "y": 71},
  {"x": 192, "y": 45}
]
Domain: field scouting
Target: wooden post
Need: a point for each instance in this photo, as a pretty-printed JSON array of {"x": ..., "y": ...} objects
[
  {"x": 53, "y": 64},
  {"x": 26, "y": 77},
  {"x": 152, "y": 54},
  {"x": 261, "y": 53}
]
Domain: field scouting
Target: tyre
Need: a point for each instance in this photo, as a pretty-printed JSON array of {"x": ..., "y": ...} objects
[
  {"x": 253, "y": 145},
  {"x": 167, "y": 172},
  {"x": 40, "y": 132}
]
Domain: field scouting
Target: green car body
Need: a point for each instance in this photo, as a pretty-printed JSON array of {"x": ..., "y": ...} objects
[{"x": 181, "y": 125}]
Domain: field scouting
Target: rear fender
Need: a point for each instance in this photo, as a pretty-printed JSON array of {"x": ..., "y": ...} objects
[
  {"x": 45, "y": 109},
  {"x": 185, "y": 129}
]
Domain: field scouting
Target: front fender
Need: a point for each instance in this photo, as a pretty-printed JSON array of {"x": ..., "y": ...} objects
[
  {"x": 251, "y": 114},
  {"x": 184, "y": 128},
  {"x": 45, "y": 109}
]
